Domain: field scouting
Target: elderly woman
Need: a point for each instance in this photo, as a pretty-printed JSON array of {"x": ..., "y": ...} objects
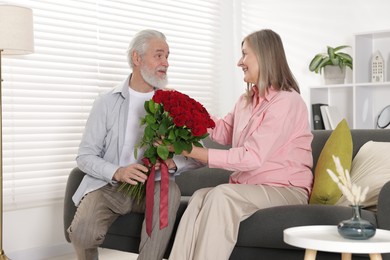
[{"x": 271, "y": 157}]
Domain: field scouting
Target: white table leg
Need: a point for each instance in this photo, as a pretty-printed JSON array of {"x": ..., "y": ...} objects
[
  {"x": 346, "y": 256},
  {"x": 310, "y": 254},
  {"x": 375, "y": 256}
]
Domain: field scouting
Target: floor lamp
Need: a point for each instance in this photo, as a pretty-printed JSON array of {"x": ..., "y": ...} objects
[{"x": 16, "y": 37}]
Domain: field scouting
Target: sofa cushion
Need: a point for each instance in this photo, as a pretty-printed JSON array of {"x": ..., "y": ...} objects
[
  {"x": 370, "y": 167},
  {"x": 339, "y": 143}
]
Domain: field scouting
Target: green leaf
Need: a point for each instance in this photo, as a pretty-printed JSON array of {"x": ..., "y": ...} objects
[
  {"x": 341, "y": 47},
  {"x": 163, "y": 152},
  {"x": 197, "y": 144},
  {"x": 315, "y": 62},
  {"x": 331, "y": 53},
  {"x": 151, "y": 153},
  {"x": 323, "y": 63},
  {"x": 335, "y": 60},
  {"x": 166, "y": 120},
  {"x": 187, "y": 146},
  {"x": 346, "y": 57},
  {"x": 179, "y": 147},
  {"x": 182, "y": 146},
  {"x": 162, "y": 130},
  {"x": 154, "y": 127},
  {"x": 150, "y": 119},
  {"x": 146, "y": 106},
  {"x": 164, "y": 125},
  {"x": 183, "y": 133},
  {"x": 171, "y": 135},
  {"x": 148, "y": 133},
  {"x": 152, "y": 107}
]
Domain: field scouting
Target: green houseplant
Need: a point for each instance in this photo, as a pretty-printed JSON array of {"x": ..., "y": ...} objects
[{"x": 332, "y": 57}]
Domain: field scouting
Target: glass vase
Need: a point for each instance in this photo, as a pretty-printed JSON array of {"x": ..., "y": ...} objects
[{"x": 356, "y": 227}]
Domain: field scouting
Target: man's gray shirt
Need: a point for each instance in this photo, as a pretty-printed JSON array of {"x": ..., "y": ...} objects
[{"x": 102, "y": 142}]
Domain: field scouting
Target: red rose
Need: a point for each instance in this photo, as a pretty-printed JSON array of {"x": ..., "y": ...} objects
[
  {"x": 198, "y": 130},
  {"x": 158, "y": 96},
  {"x": 211, "y": 123},
  {"x": 175, "y": 111},
  {"x": 180, "y": 120}
]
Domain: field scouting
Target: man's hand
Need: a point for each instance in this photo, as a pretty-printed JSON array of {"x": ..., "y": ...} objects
[
  {"x": 170, "y": 164},
  {"x": 132, "y": 174}
]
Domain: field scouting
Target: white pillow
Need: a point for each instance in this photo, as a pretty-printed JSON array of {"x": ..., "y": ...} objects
[{"x": 370, "y": 167}]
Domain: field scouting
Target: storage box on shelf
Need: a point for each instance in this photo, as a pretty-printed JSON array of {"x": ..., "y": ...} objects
[{"x": 360, "y": 101}]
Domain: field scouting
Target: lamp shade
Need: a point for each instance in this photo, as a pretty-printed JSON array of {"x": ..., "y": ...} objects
[{"x": 16, "y": 30}]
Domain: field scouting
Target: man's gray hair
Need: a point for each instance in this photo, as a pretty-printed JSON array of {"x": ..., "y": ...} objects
[{"x": 140, "y": 43}]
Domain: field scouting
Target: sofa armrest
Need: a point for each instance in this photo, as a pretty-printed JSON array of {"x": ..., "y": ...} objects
[
  {"x": 73, "y": 182},
  {"x": 383, "y": 214}
]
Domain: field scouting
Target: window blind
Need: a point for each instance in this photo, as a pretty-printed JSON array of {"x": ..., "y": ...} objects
[{"x": 80, "y": 51}]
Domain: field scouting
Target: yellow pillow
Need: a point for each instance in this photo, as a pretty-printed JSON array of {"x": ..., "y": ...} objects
[{"x": 339, "y": 143}]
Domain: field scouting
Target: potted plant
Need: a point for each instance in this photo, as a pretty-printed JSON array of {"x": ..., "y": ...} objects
[{"x": 333, "y": 62}]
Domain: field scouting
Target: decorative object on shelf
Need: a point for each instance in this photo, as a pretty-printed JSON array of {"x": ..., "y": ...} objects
[
  {"x": 333, "y": 62},
  {"x": 377, "y": 68},
  {"x": 356, "y": 227},
  {"x": 383, "y": 120},
  {"x": 16, "y": 37}
]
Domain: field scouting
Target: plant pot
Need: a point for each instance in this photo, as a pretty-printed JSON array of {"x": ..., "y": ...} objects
[{"x": 334, "y": 74}]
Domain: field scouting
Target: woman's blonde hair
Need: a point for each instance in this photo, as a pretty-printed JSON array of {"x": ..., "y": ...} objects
[{"x": 273, "y": 67}]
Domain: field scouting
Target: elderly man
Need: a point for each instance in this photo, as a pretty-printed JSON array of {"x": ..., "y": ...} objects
[{"x": 106, "y": 155}]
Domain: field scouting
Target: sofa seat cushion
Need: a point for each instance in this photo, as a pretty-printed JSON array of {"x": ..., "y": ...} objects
[
  {"x": 132, "y": 222},
  {"x": 265, "y": 227}
]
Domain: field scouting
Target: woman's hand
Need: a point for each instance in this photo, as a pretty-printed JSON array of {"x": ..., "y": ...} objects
[
  {"x": 198, "y": 153},
  {"x": 169, "y": 162}
]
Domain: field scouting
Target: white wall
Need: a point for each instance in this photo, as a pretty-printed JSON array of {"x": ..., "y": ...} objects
[
  {"x": 306, "y": 28},
  {"x": 34, "y": 233}
]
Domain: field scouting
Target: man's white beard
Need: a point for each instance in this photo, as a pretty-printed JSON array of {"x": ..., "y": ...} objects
[{"x": 153, "y": 80}]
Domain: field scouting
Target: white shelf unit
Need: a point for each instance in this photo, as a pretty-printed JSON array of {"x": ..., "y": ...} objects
[{"x": 360, "y": 101}]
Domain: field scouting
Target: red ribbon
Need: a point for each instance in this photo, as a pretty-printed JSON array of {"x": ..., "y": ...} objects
[{"x": 164, "y": 184}]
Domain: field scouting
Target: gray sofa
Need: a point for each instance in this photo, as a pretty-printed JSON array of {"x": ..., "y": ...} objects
[{"x": 261, "y": 235}]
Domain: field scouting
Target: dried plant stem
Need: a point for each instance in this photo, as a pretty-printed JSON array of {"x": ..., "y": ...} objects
[{"x": 354, "y": 194}]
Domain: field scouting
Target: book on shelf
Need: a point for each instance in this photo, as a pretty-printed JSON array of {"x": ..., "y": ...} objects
[
  {"x": 318, "y": 122},
  {"x": 333, "y": 116},
  {"x": 325, "y": 118}
]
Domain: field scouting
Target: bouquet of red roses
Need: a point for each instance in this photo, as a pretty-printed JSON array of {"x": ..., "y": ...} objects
[{"x": 176, "y": 120}]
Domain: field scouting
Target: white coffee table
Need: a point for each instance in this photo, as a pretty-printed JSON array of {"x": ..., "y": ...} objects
[{"x": 327, "y": 238}]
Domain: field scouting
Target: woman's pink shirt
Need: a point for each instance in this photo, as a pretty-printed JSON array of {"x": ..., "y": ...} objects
[{"x": 271, "y": 141}]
